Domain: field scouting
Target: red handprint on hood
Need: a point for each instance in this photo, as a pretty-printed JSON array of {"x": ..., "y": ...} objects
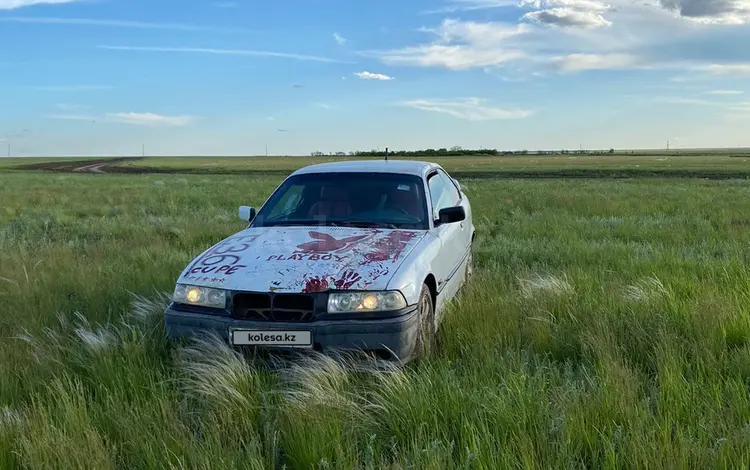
[{"x": 325, "y": 243}]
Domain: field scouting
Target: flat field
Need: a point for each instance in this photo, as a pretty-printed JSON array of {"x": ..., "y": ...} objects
[
  {"x": 608, "y": 327},
  {"x": 13, "y": 162},
  {"x": 465, "y": 165},
  {"x": 683, "y": 163}
]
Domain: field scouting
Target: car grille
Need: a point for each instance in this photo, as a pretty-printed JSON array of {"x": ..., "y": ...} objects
[{"x": 273, "y": 307}]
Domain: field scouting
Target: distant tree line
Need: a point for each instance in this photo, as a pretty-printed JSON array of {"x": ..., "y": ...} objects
[{"x": 458, "y": 152}]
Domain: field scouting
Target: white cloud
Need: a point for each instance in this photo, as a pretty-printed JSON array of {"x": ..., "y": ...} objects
[
  {"x": 568, "y": 18},
  {"x": 461, "y": 45},
  {"x": 471, "y": 109},
  {"x": 326, "y": 106},
  {"x": 725, "y": 92},
  {"x": 150, "y": 119},
  {"x": 13, "y": 4},
  {"x": 236, "y": 52},
  {"x": 682, "y": 100},
  {"x": 707, "y": 72},
  {"x": 735, "y": 70},
  {"x": 373, "y": 76},
  {"x": 471, "y": 5},
  {"x": 585, "y": 35},
  {"x": 138, "y": 119},
  {"x": 341, "y": 40},
  {"x": 567, "y": 13},
  {"x": 270, "y": 118},
  {"x": 582, "y": 62},
  {"x": 120, "y": 24},
  {"x": 731, "y": 110},
  {"x": 711, "y": 11},
  {"x": 743, "y": 106}
]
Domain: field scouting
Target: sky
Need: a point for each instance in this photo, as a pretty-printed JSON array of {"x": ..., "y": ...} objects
[{"x": 237, "y": 77}]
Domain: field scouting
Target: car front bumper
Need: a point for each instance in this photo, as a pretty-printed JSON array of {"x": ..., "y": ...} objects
[{"x": 394, "y": 335}]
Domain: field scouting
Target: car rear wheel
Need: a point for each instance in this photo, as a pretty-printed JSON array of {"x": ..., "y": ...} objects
[{"x": 426, "y": 337}]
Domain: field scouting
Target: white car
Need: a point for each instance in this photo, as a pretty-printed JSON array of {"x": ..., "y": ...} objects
[{"x": 358, "y": 255}]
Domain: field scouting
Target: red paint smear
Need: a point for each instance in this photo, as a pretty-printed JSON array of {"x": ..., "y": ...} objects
[
  {"x": 347, "y": 280},
  {"x": 324, "y": 243},
  {"x": 315, "y": 284},
  {"x": 376, "y": 256},
  {"x": 390, "y": 246}
]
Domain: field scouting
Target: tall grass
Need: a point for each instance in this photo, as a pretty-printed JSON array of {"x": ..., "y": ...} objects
[{"x": 608, "y": 327}]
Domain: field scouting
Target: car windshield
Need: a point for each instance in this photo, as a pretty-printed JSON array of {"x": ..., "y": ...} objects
[{"x": 381, "y": 200}]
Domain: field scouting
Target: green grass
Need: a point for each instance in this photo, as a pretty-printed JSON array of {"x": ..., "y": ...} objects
[
  {"x": 714, "y": 163},
  {"x": 608, "y": 327},
  {"x": 680, "y": 163}
]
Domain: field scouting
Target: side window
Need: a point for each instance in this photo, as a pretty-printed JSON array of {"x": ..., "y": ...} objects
[
  {"x": 439, "y": 193},
  {"x": 450, "y": 188}
]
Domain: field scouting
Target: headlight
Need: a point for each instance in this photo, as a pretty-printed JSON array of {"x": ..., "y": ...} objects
[
  {"x": 349, "y": 302},
  {"x": 204, "y": 296}
]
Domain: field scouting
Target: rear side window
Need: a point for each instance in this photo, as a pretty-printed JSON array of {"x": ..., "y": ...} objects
[
  {"x": 454, "y": 195},
  {"x": 440, "y": 194}
]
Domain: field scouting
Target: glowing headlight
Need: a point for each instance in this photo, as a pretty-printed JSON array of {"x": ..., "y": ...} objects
[
  {"x": 348, "y": 302},
  {"x": 203, "y": 296}
]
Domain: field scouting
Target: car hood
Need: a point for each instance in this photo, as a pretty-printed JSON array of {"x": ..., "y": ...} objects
[{"x": 303, "y": 259}]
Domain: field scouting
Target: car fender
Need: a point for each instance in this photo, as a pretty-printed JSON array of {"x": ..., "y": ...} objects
[
  {"x": 199, "y": 256},
  {"x": 410, "y": 276}
]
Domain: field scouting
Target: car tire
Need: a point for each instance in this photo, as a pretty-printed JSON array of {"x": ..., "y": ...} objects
[
  {"x": 425, "y": 342},
  {"x": 469, "y": 271}
]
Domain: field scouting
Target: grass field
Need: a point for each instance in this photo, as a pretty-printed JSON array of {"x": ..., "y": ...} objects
[
  {"x": 608, "y": 327},
  {"x": 733, "y": 164},
  {"x": 465, "y": 164}
]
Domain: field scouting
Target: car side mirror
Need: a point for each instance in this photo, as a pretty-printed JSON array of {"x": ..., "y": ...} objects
[
  {"x": 451, "y": 215},
  {"x": 247, "y": 213}
]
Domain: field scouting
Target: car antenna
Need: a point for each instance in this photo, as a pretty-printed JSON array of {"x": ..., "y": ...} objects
[{"x": 386, "y": 154}]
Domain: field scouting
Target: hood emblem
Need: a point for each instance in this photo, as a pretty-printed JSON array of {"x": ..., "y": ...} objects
[{"x": 324, "y": 243}]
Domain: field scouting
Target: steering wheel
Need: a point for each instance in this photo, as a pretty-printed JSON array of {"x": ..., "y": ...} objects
[{"x": 399, "y": 209}]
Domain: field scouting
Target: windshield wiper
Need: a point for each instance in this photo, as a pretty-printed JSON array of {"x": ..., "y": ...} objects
[
  {"x": 367, "y": 223},
  {"x": 291, "y": 223}
]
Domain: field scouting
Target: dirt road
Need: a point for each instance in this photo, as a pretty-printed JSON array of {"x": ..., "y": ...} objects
[
  {"x": 86, "y": 166},
  {"x": 95, "y": 168}
]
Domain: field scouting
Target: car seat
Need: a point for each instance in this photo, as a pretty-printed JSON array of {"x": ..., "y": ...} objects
[{"x": 333, "y": 203}]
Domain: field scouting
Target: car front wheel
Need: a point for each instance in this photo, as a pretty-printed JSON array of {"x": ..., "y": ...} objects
[
  {"x": 468, "y": 272},
  {"x": 426, "y": 337}
]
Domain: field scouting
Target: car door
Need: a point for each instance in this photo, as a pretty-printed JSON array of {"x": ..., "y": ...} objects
[
  {"x": 443, "y": 194},
  {"x": 467, "y": 225}
]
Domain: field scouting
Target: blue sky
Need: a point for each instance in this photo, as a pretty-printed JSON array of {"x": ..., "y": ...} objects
[{"x": 213, "y": 77}]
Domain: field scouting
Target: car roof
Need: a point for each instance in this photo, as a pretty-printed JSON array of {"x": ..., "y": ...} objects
[{"x": 407, "y": 167}]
